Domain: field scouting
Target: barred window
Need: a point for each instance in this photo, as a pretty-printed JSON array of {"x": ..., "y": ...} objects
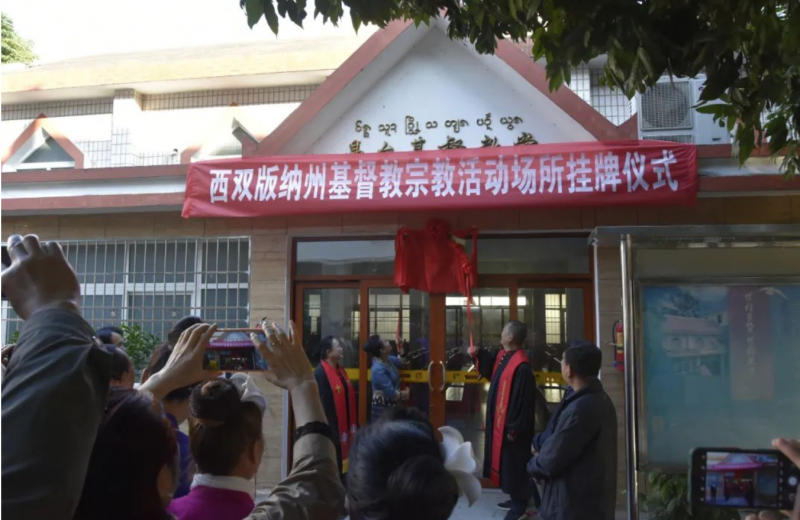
[{"x": 155, "y": 282}]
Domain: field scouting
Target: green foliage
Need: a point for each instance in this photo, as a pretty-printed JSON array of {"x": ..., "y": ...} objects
[
  {"x": 748, "y": 49},
  {"x": 139, "y": 345},
  {"x": 667, "y": 498},
  {"x": 14, "y": 338},
  {"x": 15, "y": 48}
]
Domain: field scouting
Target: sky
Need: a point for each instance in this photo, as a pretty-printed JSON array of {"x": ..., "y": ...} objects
[{"x": 70, "y": 28}]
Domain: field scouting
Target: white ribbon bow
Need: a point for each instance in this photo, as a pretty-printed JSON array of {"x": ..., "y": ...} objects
[
  {"x": 249, "y": 391},
  {"x": 461, "y": 462}
]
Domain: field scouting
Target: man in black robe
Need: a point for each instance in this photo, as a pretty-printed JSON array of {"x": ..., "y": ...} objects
[
  {"x": 332, "y": 352},
  {"x": 519, "y": 416}
]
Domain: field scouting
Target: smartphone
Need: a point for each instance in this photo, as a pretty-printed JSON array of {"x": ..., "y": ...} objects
[
  {"x": 6, "y": 260},
  {"x": 232, "y": 350},
  {"x": 742, "y": 479}
]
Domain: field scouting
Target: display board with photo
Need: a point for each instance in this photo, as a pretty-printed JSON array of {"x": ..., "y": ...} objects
[{"x": 720, "y": 367}]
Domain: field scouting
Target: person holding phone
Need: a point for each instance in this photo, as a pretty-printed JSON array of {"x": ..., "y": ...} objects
[{"x": 790, "y": 448}]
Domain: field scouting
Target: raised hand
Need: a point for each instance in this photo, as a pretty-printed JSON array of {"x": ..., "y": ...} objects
[
  {"x": 185, "y": 365},
  {"x": 288, "y": 365},
  {"x": 39, "y": 277}
]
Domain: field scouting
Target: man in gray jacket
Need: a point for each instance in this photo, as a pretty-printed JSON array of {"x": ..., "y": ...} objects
[{"x": 577, "y": 456}]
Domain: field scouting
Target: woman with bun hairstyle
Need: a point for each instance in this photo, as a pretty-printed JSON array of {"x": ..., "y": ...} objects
[
  {"x": 386, "y": 393},
  {"x": 227, "y": 445},
  {"x": 399, "y": 471}
]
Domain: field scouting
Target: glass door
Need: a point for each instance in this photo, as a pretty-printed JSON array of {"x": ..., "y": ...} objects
[
  {"x": 465, "y": 393},
  {"x": 556, "y": 315},
  {"x": 404, "y": 321},
  {"x": 332, "y": 310},
  {"x": 354, "y": 311}
]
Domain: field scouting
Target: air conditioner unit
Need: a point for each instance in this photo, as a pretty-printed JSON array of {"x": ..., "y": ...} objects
[{"x": 666, "y": 114}]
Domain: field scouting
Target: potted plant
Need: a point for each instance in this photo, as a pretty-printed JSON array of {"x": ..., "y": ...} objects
[
  {"x": 139, "y": 344},
  {"x": 667, "y": 498}
]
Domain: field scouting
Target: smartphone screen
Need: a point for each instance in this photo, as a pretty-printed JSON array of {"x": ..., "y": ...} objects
[
  {"x": 743, "y": 479},
  {"x": 232, "y": 350}
]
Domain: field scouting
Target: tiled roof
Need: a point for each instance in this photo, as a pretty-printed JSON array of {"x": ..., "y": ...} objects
[{"x": 271, "y": 57}]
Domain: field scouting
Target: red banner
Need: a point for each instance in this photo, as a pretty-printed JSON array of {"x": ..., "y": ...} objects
[{"x": 548, "y": 175}]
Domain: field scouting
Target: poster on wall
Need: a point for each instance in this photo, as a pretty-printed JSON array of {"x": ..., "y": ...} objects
[{"x": 721, "y": 367}]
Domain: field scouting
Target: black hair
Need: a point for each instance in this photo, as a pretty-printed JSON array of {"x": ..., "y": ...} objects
[
  {"x": 518, "y": 330},
  {"x": 160, "y": 356},
  {"x": 584, "y": 358},
  {"x": 158, "y": 360},
  {"x": 175, "y": 332},
  {"x": 397, "y": 471},
  {"x": 120, "y": 362},
  {"x": 221, "y": 427},
  {"x": 134, "y": 442},
  {"x": 104, "y": 334},
  {"x": 374, "y": 345},
  {"x": 325, "y": 346}
]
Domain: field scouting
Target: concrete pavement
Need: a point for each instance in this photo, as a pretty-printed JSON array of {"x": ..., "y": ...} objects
[{"x": 486, "y": 508}]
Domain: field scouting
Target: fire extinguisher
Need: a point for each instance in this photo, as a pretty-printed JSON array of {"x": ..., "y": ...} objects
[{"x": 618, "y": 334}]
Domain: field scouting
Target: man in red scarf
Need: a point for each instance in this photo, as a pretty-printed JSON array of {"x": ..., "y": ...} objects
[
  {"x": 510, "y": 417},
  {"x": 337, "y": 396}
]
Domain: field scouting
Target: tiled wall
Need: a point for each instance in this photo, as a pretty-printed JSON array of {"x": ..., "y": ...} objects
[
  {"x": 609, "y": 295},
  {"x": 224, "y": 98},
  {"x": 97, "y": 154},
  {"x": 73, "y": 107}
]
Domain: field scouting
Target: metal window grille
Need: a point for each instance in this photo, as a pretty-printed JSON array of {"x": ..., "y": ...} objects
[
  {"x": 581, "y": 83},
  {"x": 384, "y": 312},
  {"x": 612, "y": 103},
  {"x": 556, "y": 318},
  {"x": 156, "y": 282}
]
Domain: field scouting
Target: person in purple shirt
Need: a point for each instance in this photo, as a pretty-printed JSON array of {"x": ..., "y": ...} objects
[
  {"x": 227, "y": 445},
  {"x": 176, "y": 403}
]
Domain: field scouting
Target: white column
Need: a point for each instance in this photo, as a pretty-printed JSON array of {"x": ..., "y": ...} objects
[{"x": 124, "y": 127}]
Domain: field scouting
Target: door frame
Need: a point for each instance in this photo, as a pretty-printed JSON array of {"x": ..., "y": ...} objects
[{"x": 437, "y": 313}]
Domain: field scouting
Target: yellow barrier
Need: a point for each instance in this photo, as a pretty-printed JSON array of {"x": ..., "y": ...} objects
[{"x": 459, "y": 376}]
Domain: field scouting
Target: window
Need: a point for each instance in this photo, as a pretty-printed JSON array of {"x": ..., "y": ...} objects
[
  {"x": 555, "y": 316},
  {"x": 523, "y": 255},
  {"x": 156, "y": 282},
  {"x": 345, "y": 257}
]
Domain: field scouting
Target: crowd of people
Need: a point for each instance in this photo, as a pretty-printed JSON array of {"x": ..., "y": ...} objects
[{"x": 80, "y": 441}]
